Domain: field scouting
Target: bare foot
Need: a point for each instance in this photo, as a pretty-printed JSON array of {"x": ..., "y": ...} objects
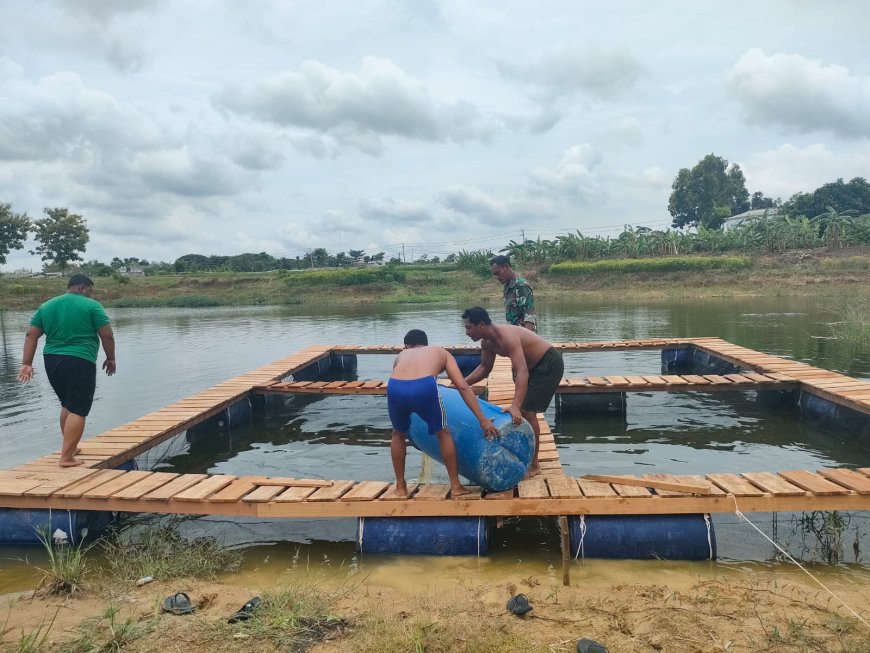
[
  {"x": 70, "y": 463},
  {"x": 402, "y": 490},
  {"x": 533, "y": 471},
  {"x": 459, "y": 491}
]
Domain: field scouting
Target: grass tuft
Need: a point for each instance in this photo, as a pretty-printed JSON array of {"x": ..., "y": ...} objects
[
  {"x": 665, "y": 264},
  {"x": 67, "y": 566},
  {"x": 163, "y": 553},
  {"x": 109, "y": 633}
]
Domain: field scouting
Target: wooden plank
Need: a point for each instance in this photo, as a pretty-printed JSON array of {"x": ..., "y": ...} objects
[
  {"x": 654, "y": 380},
  {"x": 533, "y": 488},
  {"x": 266, "y": 493},
  {"x": 631, "y": 491},
  {"x": 650, "y": 482},
  {"x": 295, "y": 494},
  {"x": 500, "y": 496},
  {"x": 146, "y": 485},
  {"x": 293, "y": 482},
  {"x": 18, "y": 486},
  {"x": 700, "y": 480},
  {"x": 770, "y": 482},
  {"x": 664, "y": 480},
  {"x": 695, "y": 379},
  {"x": 117, "y": 484},
  {"x": 432, "y": 492},
  {"x": 205, "y": 488},
  {"x": 78, "y": 489},
  {"x": 236, "y": 490},
  {"x": 674, "y": 379},
  {"x": 593, "y": 489},
  {"x": 848, "y": 478},
  {"x": 636, "y": 380},
  {"x": 734, "y": 484},
  {"x": 562, "y": 487},
  {"x": 332, "y": 493},
  {"x": 390, "y": 494},
  {"x": 366, "y": 491},
  {"x": 812, "y": 482}
]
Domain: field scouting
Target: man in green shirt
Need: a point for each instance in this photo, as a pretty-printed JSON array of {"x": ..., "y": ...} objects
[
  {"x": 74, "y": 325},
  {"x": 519, "y": 303}
]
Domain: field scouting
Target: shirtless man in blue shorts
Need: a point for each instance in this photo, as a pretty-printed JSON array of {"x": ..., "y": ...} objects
[{"x": 412, "y": 389}]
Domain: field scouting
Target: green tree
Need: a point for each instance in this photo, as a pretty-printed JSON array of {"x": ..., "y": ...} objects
[
  {"x": 761, "y": 201},
  {"x": 62, "y": 237},
  {"x": 13, "y": 230},
  {"x": 708, "y": 193},
  {"x": 842, "y": 197}
]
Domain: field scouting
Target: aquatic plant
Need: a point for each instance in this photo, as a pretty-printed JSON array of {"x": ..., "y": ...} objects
[{"x": 67, "y": 564}]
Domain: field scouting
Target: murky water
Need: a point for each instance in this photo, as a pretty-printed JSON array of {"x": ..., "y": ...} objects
[{"x": 166, "y": 355}]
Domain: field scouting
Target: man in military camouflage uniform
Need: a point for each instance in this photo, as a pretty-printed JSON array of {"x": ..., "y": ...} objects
[{"x": 519, "y": 303}]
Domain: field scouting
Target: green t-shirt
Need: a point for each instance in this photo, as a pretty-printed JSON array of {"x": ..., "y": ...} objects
[{"x": 70, "y": 322}]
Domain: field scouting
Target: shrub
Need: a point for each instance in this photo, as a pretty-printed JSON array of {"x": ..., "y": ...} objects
[
  {"x": 669, "y": 264},
  {"x": 346, "y": 277}
]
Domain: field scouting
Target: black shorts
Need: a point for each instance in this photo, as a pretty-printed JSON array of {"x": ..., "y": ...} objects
[{"x": 74, "y": 380}]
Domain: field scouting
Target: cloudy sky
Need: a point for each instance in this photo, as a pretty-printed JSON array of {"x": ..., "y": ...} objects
[{"x": 219, "y": 127}]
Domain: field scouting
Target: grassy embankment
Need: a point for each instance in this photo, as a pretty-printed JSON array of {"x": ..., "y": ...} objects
[
  {"x": 305, "y": 610},
  {"x": 623, "y": 279}
]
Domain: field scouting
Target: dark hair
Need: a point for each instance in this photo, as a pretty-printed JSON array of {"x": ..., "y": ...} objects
[
  {"x": 477, "y": 315},
  {"x": 416, "y": 337},
  {"x": 501, "y": 259},
  {"x": 79, "y": 280}
]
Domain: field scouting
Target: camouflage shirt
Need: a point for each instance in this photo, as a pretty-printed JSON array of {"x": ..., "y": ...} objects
[{"x": 519, "y": 303}]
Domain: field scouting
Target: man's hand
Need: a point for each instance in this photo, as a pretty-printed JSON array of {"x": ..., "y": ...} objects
[
  {"x": 489, "y": 430},
  {"x": 109, "y": 366},
  {"x": 516, "y": 415},
  {"x": 25, "y": 373}
]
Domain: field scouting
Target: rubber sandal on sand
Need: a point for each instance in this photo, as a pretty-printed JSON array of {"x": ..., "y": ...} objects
[
  {"x": 178, "y": 603},
  {"x": 246, "y": 611}
]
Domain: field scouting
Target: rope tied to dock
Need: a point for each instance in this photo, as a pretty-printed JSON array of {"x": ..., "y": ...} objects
[{"x": 799, "y": 565}]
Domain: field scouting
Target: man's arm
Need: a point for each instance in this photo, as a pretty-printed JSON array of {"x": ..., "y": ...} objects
[
  {"x": 31, "y": 338},
  {"x": 455, "y": 376},
  {"x": 514, "y": 348},
  {"x": 528, "y": 318},
  {"x": 107, "y": 338},
  {"x": 487, "y": 360}
]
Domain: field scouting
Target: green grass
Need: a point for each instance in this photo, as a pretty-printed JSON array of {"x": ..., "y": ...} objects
[
  {"x": 288, "y": 620},
  {"x": 163, "y": 553},
  {"x": 853, "y": 329},
  {"x": 32, "y": 641},
  {"x": 109, "y": 633},
  {"x": 667, "y": 264},
  {"x": 67, "y": 566}
]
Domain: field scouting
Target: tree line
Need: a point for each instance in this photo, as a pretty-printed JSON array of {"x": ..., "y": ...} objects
[{"x": 703, "y": 200}]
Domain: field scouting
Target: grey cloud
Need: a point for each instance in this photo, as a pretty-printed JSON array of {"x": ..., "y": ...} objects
[
  {"x": 477, "y": 203},
  {"x": 800, "y": 93},
  {"x": 357, "y": 110},
  {"x": 568, "y": 71},
  {"x": 573, "y": 177},
  {"x": 393, "y": 211}
]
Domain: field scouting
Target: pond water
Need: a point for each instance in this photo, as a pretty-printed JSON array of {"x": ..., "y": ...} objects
[{"x": 165, "y": 355}]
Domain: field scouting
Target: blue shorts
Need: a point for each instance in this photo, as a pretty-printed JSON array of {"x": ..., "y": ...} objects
[{"x": 415, "y": 396}]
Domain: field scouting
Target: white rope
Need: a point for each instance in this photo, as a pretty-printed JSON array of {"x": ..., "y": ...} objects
[
  {"x": 709, "y": 534},
  {"x": 479, "y": 520},
  {"x": 362, "y": 525},
  {"x": 582, "y": 536},
  {"x": 800, "y": 566}
]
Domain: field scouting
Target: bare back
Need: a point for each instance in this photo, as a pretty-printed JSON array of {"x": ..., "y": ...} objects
[
  {"x": 534, "y": 346},
  {"x": 417, "y": 362}
]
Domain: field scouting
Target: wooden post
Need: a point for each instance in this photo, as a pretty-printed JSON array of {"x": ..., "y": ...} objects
[{"x": 566, "y": 551}]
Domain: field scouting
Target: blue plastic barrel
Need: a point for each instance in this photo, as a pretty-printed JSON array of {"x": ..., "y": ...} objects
[
  {"x": 456, "y": 536},
  {"x": 642, "y": 537},
  {"x": 495, "y": 465},
  {"x": 467, "y": 363}
]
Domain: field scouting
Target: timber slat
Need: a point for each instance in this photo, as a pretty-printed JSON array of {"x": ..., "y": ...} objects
[
  {"x": 264, "y": 493},
  {"x": 772, "y": 483},
  {"x": 848, "y": 478},
  {"x": 117, "y": 484},
  {"x": 592, "y": 489},
  {"x": 295, "y": 494},
  {"x": 235, "y": 491},
  {"x": 167, "y": 491},
  {"x": 331, "y": 493},
  {"x": 366, "y": 491},
  {"x": 390, "y": 494},
  {"x": 734, "y": 484},
  {"x": 533, "y": 488},
  {"x": 144, "y": 486},
  {"x": 204, "y": 488},
  {"x": 432, "y": 492},
  {"x": 631, "y": 490},
  {"x": 562, "y": 487},
  {"x": 812, "y": 482},
  {"x": 79, "y": 488}
]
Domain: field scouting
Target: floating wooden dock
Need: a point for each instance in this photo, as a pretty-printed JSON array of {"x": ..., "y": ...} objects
[{"x": 98, "y": 486}]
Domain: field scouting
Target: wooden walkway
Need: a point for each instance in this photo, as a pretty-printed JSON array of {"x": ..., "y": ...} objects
[{"x": 97, "y": 486}]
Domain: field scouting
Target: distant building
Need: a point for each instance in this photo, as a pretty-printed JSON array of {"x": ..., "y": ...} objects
[
  {"x": 736, "y": 220},
  {"x": 133, "y": 271}
]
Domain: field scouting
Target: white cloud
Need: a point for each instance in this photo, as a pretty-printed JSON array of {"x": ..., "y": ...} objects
[
  {"x": 394, "y": 211},
  {"x": 350, "y": 110},
  {"x": 800, "y": 93}
]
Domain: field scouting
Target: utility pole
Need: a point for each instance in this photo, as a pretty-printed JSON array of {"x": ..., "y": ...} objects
[
  {"x": 523, "y": 231},
  {"x": 403, "y": 253}
]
